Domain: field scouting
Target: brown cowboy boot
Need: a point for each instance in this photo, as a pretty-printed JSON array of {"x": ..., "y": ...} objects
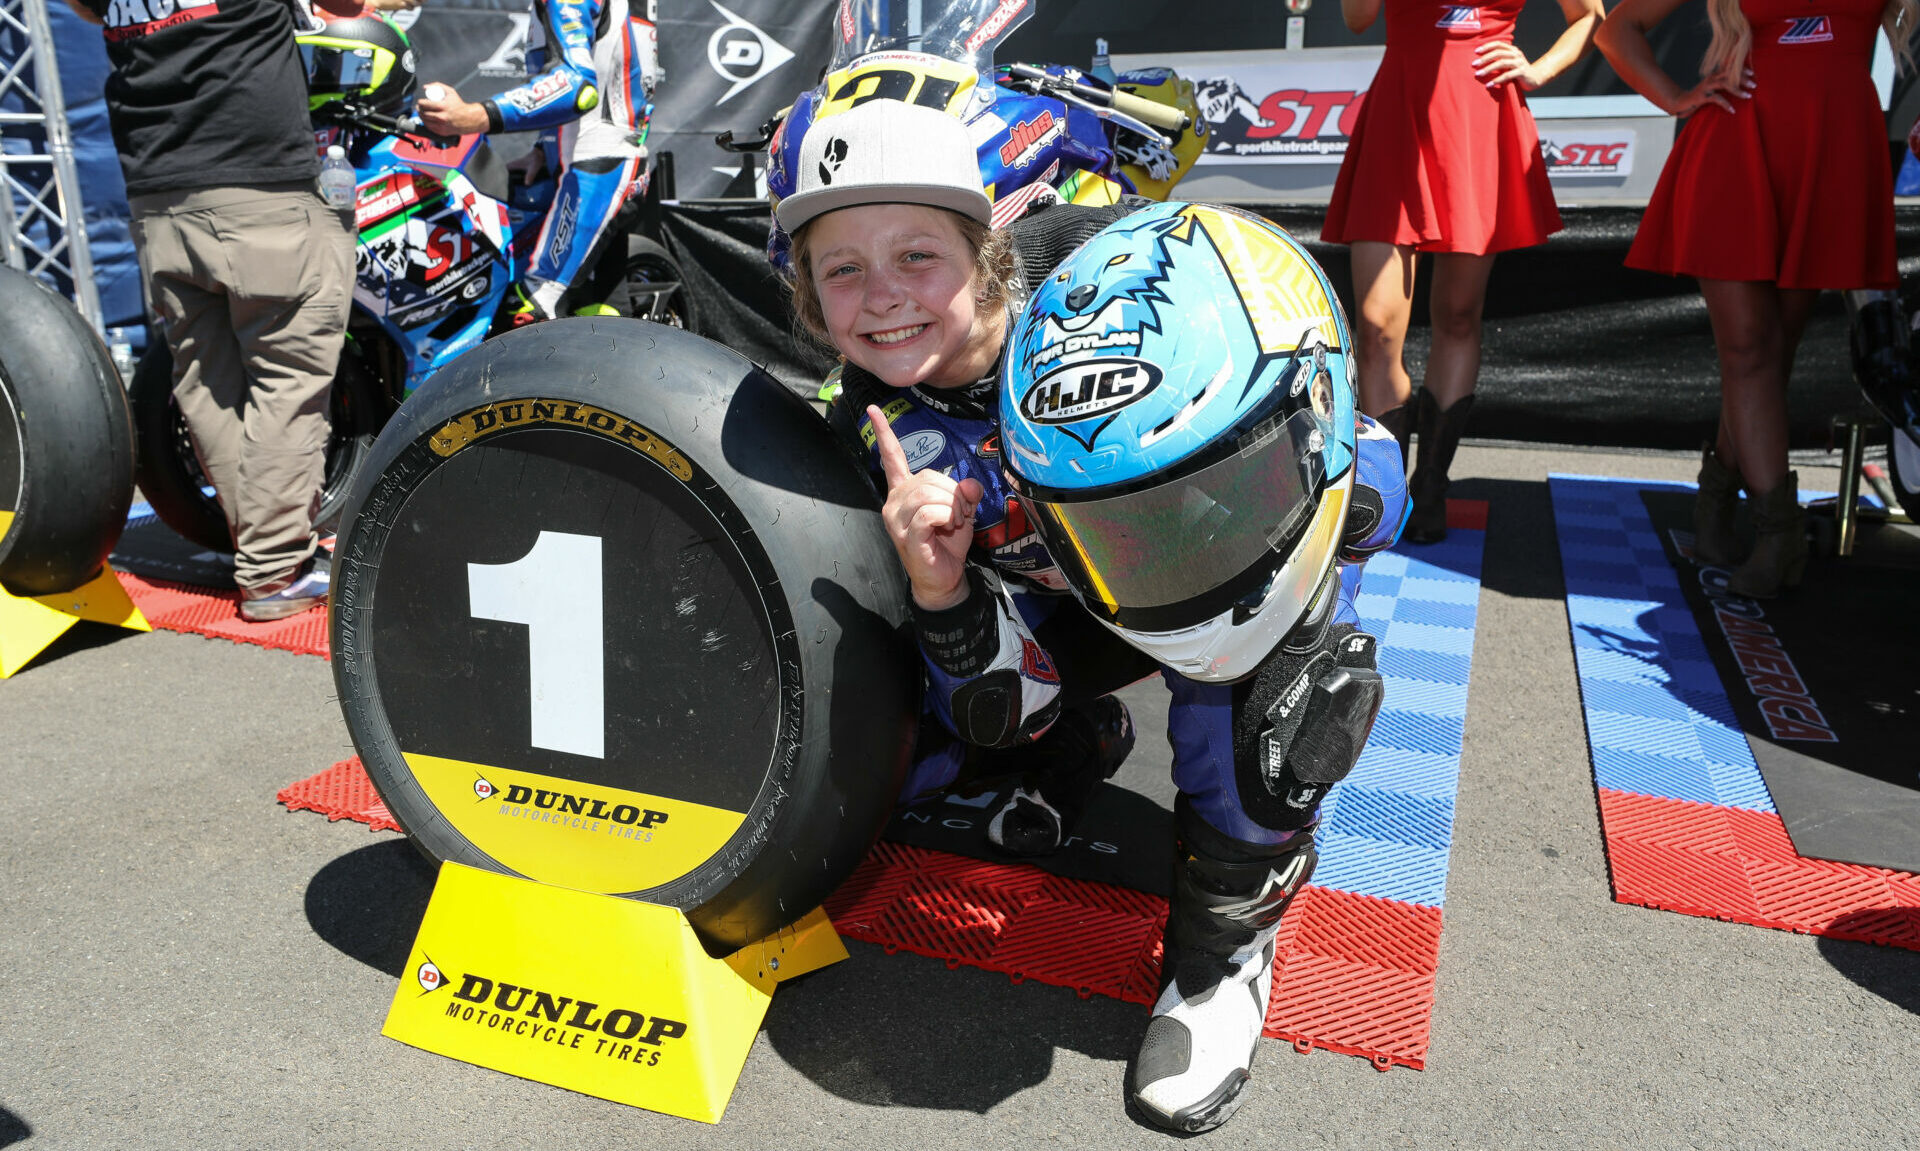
[
  {"x": 1713, "y": 504},
  {"x": 1779, "y": 544}
]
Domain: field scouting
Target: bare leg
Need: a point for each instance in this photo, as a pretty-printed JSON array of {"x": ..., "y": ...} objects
[
  {"x": 1459, "y": 296},
  {"x": 1383, "y": 286},
  {"x": 1756, "y": 330}
]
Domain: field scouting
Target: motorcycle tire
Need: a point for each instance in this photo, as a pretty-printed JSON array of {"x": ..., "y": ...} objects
[
  {"x": 612, "y": 610},
  {"x": 1903, "y": 469},
  {"x": 66, "y": 442},
  {"x": 652, "y": 287},
  {"x": 169, "y": 472}
]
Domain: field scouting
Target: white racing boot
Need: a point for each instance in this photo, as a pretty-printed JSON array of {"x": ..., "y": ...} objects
[{"x": 1216, "y": 972}]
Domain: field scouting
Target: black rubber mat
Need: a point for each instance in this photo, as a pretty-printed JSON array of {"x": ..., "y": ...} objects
[{"x": 1825, "y": 683}]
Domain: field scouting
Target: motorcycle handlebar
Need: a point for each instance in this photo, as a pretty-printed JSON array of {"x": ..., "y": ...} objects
[
  {"x": 1159, "y": 115},
  {"x": 1126, "y": 103}
]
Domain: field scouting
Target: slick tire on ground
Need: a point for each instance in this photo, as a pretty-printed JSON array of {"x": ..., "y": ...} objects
[
  {"x": 612, "y": 610},
  {"x": 169, "y": 472},
  {"x": 66, "y": 443}
]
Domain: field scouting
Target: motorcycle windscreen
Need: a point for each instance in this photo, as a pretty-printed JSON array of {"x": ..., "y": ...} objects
[{"x": 1177, "y": 554}]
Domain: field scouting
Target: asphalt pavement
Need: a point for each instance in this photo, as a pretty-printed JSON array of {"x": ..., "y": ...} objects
[{"x": 184, "y": 964}]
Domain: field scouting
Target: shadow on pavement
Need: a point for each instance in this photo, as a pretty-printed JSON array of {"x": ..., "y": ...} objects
[
  {"x": 1892, "y": 973},
  {"x": 903, "y": 1031},
  {"x": 83, "y": 636},
  {"x": 13, "y": 1129},
  {"x": 369, "y": 903},
  {"x": 1522, "y": 554}
]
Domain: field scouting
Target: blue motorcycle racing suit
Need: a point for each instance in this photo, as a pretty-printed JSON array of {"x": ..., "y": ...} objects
[
  {"x": 1252, "y": 759},
  {"x": 592, "y": 67}
]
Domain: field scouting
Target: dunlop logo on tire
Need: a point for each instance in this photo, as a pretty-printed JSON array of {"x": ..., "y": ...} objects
[{"x": 508, "y": 415}]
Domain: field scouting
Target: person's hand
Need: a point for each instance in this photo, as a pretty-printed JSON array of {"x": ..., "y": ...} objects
[
  {"x": 929, "y": 516},
  {"x": 1500, "y": 63},
  {"x": 1713, "y": 90},
  {"x": 443, "y": 113}
]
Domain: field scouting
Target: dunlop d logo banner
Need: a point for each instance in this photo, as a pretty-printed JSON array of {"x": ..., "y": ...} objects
[{"x": 623, "y": 1004}]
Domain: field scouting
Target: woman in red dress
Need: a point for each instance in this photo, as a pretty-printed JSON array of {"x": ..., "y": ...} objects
[
  {"x": 1778, "y": 185},
  {"x": 1444, "y": 158}
]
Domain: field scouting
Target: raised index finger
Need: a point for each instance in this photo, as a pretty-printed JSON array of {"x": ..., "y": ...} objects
[{"x": 893, "y": 458}]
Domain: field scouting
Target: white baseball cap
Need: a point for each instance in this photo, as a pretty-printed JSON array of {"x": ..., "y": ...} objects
[{"x": 886, "y": 152}]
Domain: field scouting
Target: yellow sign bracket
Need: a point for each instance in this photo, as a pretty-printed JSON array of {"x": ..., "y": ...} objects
[
  {"x": 28, "y": 624},
  {"x": 606, "y": 996}
]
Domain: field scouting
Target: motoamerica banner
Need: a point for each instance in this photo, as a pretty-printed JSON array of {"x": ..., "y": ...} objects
[{"x": 727, "y": 65}]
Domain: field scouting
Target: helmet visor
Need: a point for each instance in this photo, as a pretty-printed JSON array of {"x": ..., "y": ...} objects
[
  {"x": 335, "y": 71},
  {"x": 1183, "y": 551}
]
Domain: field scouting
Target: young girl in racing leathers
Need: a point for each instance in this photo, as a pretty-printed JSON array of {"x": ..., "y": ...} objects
[{"x": 895, "y": 267}]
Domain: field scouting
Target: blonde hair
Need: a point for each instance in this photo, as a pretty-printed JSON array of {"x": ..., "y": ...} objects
[
  {"x": 1733, "y": 37},
  {"x": 994, "y": 274}
]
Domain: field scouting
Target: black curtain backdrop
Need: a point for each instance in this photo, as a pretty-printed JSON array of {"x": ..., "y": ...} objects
[{"x": 1579, "y": 349}]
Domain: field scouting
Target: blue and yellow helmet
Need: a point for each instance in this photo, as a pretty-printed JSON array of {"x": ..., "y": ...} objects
[{"x": 1177, "y": 406}]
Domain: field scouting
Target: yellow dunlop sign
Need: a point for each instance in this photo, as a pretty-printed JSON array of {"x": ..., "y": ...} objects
[
  {"x": 910, "y": 77},
  {"x": 623, "y": 1004},
  {"x": 580, "y": 835},
  {"x": 508, "y": 415}
]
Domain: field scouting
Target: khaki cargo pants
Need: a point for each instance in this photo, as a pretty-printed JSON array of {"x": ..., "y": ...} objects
[{"x": 253, "y": 285}]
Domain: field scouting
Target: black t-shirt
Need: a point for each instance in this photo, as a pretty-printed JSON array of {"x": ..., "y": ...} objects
[{"x": 206, "y": 93}]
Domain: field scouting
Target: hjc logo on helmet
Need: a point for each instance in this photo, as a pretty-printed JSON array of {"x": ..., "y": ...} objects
[{"x": 1088, "y": 388}]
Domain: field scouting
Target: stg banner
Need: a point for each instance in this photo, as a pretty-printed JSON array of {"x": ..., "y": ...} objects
[{"x": 727, "y": 65}]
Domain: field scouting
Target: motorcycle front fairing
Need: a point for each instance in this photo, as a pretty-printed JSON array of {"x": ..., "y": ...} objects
[{"x": 435, "y": 256}]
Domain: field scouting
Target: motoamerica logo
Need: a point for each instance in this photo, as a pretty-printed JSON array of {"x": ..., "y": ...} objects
[
  {"x": 1089, "y": 388},
  {"x": 544, "y": 1017}
]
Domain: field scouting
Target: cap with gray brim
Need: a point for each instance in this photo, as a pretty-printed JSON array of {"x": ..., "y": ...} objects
[{"x": 886, "y": 152}]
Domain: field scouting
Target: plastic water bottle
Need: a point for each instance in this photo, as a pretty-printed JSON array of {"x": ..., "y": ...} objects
[
  {"x": 1101, "y": 69},
  {"x": 122, "y": 350},
  {"x": 337, "y": 179}
]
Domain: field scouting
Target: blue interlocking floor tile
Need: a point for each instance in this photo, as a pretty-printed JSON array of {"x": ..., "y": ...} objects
[
  {"x": 1382, "y": 869},
  {"x": 1658, "y": 719},
  {"x": 1420, "y": 821},
  {"x": 1379, "y": 583},
  {"x": 1455, "y": 615},
  {"x": 1635, "y": 699},
  {"x": 1437, "y": 590},
  {"x": 1422, "y": 697},
  {"x": 1644, "y": 734},
  {"x": 1433, "y": 734},
  {"x": 1426, "y": 637},
  {"x": 1408, "y": 772},
  {"x": 1432, "y": 666},
  {"x": 1664, "y": 777}
]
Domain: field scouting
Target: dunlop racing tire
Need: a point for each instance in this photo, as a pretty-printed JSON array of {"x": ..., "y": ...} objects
[
  {"x": 759, "y": 682},
  {"x": 66, "y": 442},
  {"x": 169, "y": 472}
]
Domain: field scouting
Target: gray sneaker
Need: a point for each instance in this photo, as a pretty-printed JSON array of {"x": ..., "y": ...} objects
[{"x": 307, "y": 588}]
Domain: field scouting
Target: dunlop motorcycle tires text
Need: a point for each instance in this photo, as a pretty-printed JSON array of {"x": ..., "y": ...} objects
[
  {"x": 613, "y": 611},
  {"x": 66, "y": 443}
]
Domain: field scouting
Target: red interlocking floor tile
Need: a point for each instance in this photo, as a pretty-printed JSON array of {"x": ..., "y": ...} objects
[
  {"x": 1352, "y": 973},
  {"x": 343, "y": 791},
  {"x": 1731, "y": 863},
  {"x": 179, "y": 607}
]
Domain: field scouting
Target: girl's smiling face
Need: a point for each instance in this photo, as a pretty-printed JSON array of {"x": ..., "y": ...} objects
[{"x": 897, "y": 290}]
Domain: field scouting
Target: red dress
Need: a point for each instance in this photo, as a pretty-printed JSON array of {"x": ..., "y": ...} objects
[
  {"x": 1436, "y": 160},
  {"x": 1795, "y": 185}
]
